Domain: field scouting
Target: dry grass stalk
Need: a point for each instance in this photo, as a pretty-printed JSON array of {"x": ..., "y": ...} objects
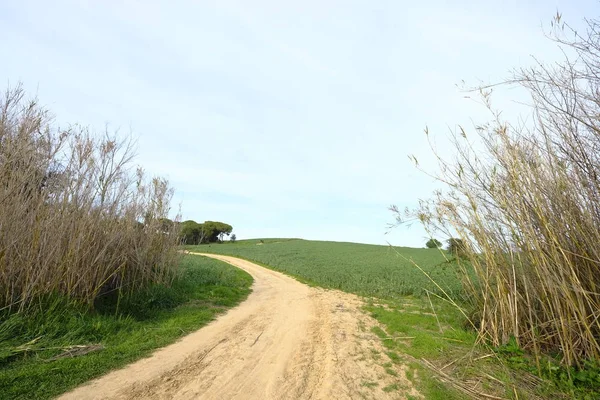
[
  {"x": 527, "y": 198},
  {"x": 470, "y": 390},
  {"x": 74, "y": 219}
]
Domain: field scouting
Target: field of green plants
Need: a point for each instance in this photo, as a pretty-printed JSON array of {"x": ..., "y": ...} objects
[{"x": 369, "y": 270}]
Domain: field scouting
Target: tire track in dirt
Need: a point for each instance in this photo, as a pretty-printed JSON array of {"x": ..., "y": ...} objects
[{"x": 286, "y": 341}]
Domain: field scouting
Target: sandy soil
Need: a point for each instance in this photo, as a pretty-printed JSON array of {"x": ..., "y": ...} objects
[{"x": 286, "y": 341}]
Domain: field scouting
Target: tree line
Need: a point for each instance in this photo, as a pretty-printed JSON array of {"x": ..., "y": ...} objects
[{"x": 192, "y": 232}]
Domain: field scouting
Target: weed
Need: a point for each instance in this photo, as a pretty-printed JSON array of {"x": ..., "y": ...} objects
[
  {"x": 391, "y": 388},
  {"x": 370, "y": 384}
]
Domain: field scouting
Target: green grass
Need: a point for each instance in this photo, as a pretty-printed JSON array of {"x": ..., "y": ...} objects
[
  {"x": 363, "y": 269},
  {"x": 414, "y": 332},
  {"x": 415, "y": 329},
  {"x": 143, "y": 322}
]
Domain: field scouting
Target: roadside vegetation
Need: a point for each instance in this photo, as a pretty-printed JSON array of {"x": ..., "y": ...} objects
[
  {"x": 77, "y": 219},
  {"x": 50, "y": 351},
  {"x": 524, "y": 198},
  {"x": 91, "y": 277}
]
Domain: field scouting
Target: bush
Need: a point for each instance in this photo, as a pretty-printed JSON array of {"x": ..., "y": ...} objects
[
  {"x": 433, "y": 244},
  {"x": 74, "y": 221}
]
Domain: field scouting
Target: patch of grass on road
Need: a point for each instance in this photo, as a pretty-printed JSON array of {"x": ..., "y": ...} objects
[
  {"x": 142, "y": 322},
  {"x": 444, "y": 357}
]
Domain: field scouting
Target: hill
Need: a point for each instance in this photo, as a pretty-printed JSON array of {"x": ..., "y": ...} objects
[{"x": 369, "y": 270}]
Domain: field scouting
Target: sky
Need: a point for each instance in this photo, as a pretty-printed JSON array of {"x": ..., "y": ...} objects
[{"x": 281, "y": 118}]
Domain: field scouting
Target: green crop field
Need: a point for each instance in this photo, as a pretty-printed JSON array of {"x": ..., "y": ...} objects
[{"x": 369, "y": 270}]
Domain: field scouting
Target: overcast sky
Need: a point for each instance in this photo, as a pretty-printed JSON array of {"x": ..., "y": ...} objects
[{"x": 281, "y": 118}]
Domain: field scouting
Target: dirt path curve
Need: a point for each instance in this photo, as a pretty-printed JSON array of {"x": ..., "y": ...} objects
[{"x": 286, "y": 341}]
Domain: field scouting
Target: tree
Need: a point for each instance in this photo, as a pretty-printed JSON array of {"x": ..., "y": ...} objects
[
  {"x": 233, "y": 238},
  {"x": 224, "y": 230},
  {"x": 433, "y": 244},
  {"x": 209, "y": 232},
  {"x": 215, "y": 231},
  {"x": 191, "y": 232}
]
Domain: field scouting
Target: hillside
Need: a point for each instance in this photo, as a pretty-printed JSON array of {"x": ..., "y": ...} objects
[{"x": 370, "y": 270}]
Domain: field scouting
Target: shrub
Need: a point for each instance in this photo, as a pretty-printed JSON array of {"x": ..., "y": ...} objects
[{"x": 433, "y": 244}]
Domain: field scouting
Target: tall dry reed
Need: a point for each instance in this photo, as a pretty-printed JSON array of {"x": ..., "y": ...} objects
[
  {"x": 527, "y": 199},
  {"x": 76, "y": 219}
]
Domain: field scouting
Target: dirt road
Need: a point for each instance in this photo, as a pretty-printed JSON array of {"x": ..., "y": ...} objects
[{"x": 286, "y": 341}]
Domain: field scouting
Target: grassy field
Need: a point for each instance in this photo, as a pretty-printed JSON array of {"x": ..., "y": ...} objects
[
  {"x": 369, "y": 270},
  {"x": 141, "y": 323}
]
